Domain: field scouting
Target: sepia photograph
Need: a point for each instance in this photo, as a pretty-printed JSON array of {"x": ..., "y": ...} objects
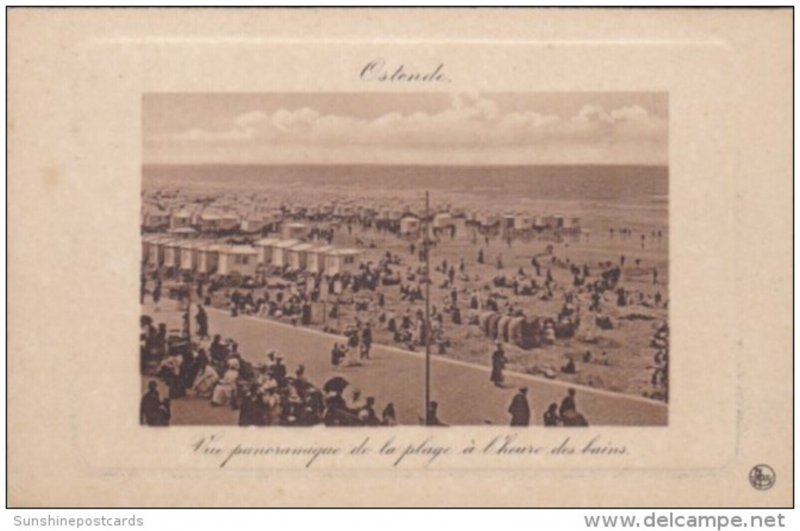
[
  {"x": 546, "y": 254},
  {"x": 383, "y": 259}
]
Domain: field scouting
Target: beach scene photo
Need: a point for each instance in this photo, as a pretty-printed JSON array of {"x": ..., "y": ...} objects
[{"x": 402, "y": 258}]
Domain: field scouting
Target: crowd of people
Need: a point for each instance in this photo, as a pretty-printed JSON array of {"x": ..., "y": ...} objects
[
  {"x": 264, "y": 394},
  {"x": 566, "y": 414},
  {"x": 660, "y": 376},
  {"x": 267, "y": 394}
]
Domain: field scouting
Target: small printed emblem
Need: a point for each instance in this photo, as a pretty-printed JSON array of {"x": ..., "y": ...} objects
[{"x": 762, "y": 477}]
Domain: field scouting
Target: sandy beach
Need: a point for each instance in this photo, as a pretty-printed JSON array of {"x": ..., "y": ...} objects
[{"x": 629, "y": 231}]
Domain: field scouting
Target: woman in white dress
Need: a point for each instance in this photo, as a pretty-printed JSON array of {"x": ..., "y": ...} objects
[
  {"x": 225, "y": 391},
  {"x": 273, "y": 407},
  {"x": 205, "y": 382}
]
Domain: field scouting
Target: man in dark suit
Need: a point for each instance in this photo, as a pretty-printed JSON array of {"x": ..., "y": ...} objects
[
  {"x": 202, "y": 322},
  {"x": 568, "y": 410},
  {"x": 150, "y": 405},
  {"x": 498, "y": 363},
  {"x": 519, "y": 408},
  {"x": 433, "y": 415}
]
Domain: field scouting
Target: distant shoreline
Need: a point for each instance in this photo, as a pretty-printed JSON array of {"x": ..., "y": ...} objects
[{"x": 579, "y": 182}]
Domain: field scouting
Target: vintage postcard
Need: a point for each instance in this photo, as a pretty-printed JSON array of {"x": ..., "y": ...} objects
[{"x": 416, "y": 252}]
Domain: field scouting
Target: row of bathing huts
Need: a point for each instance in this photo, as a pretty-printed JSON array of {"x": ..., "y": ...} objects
[
  {"x": 511, "y": 222},
  {"x": 524, "y": 331},
  {"x": 212, "y": 257},
  {"x": 405, "y": 220}
]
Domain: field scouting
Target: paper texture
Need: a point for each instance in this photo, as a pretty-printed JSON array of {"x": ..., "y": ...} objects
[{"x": 79, "y": 83}]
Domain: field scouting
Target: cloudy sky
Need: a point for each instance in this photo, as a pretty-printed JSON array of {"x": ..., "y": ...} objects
[{"x": 406, "y": 128}]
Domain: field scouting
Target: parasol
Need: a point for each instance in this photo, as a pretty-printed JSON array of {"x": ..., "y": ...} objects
[{"x": 335, "y": 384}]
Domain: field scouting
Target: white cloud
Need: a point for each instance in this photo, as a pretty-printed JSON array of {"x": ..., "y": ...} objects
[{"x": 469, "y": 122}]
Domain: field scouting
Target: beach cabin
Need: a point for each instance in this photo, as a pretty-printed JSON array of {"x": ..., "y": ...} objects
[
  {"x": 572, "y": 223},
  {"x": 157, "y": 249},
  {"x": 264, "y": 250},
  {"x": 488, "y": 220},
  {"x": 522, "y": 222},
  {"x": 190, "y": 254},
  {"x": 150, "y": 248},
  {"x": 315, "y": 258},
  {"x": 208, "y": 258},
  {"x": 508, "y": 221},
  {"x": 389, "y": 218},
  {"x": 343, "y": 211},
  {"x": 146, "y": 239},
  {"x": 155, "y": 219},
  {"x": 338, "y": 261},
  {"x": 279, "y": 255},
  {"x": 294, "y": 231},
  {"x": 172, "y": 253},
  {"x": 213, "y": 222},
  {"x": 442, "y": 221},
  {"x": 272, "y": 219},
  {"x": 539, "y": 222},
  {"x": 155, "y": 253},
  {"x": 184, "y": 249},
  {"x": 229, "y": 221},
  {"x": 239, "y": 259},
  {"x": 550, "y": 222},
  {"x": 209, "y": 222},
  {"x": 145, "y": 250},
  {"x": 253, "y": 225},
  {"x": 181, "y": 219},
  {"x": 409, "y": 226},
  {"x": 296, "y": 255}
]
